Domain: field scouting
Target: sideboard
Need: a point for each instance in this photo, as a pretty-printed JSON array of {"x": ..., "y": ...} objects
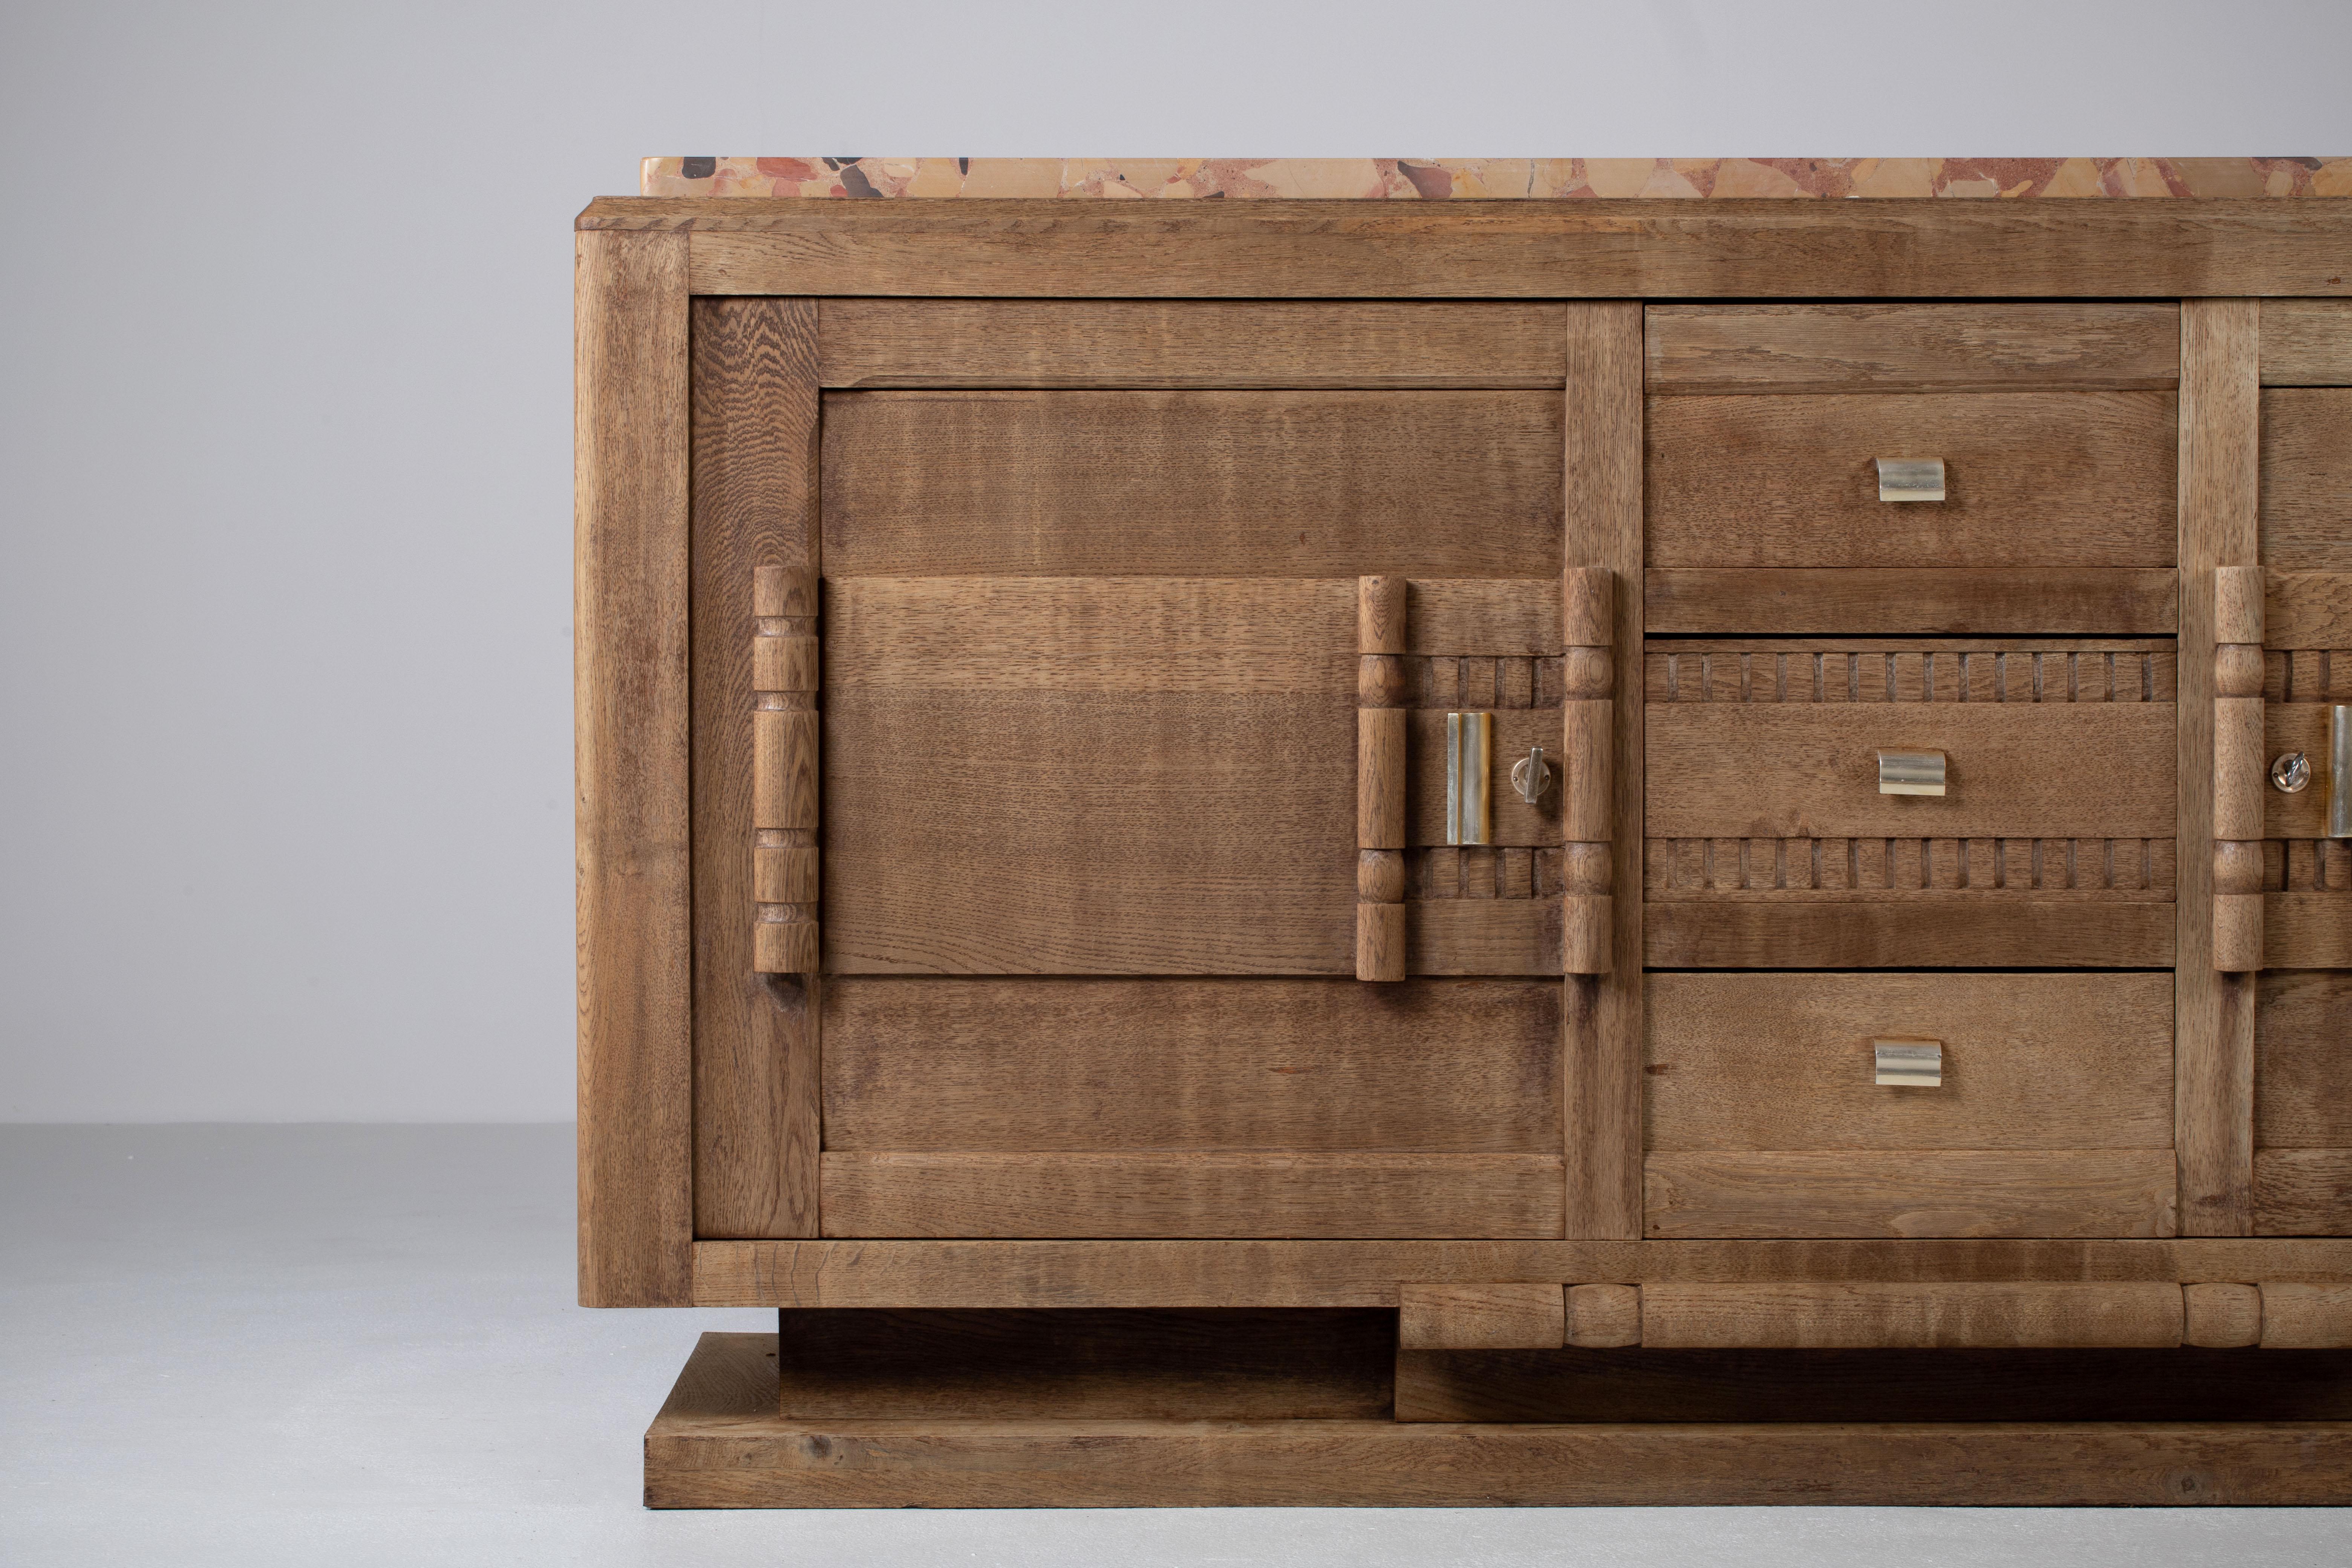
[{"x": 1472, "y": 852}]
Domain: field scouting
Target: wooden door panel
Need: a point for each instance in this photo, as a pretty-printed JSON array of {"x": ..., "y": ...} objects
[
  {"x": 1250, "y": 484},
  {"x": 934, "y": 1065}
]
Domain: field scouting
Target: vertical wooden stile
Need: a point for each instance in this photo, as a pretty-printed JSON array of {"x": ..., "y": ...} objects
[
  {"x": 755, "y": 609},
  {"x": 1588, "y": 743},
  {"x": 1602, "y": 1028},
  {"x": 2238, "y": 772},
  {"x": 1381, "y": 820},
  {"x": 2213, "y": 1052},
  {"x": 632, "y": 738}
]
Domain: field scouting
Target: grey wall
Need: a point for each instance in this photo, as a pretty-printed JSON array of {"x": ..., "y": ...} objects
[{"x": 285, "y": 482}]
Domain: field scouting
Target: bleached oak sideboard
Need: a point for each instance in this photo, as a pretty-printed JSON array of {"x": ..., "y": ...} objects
[{"x": 1305, "y": 851}]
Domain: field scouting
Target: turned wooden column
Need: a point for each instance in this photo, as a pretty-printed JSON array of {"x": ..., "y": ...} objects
[
  {"x": 784, "y": 771},
  {"x": 1380, "y": 778},
  {"x": 1588, "y": 755}
]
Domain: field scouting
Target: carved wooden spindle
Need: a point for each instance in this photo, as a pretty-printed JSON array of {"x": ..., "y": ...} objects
[
  {"x": 2240, "y": 769},
  {"x": 784, "y": 873},
  {"x": 1588, "y": 817},
  {"x": 1380, "y": 778}
]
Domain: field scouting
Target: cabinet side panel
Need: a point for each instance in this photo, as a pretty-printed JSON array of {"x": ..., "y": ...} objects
[{"x": 630, "y": 739}]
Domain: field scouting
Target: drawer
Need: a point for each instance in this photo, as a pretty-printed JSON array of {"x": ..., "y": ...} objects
[
  {"x": 2030, "y": 478},
  {"x": 1764, "y": 1117},
  {"x": 1779, "y": 739}
]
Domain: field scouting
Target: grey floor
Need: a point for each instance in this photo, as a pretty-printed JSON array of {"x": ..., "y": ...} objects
[{"x": 357, "y": 1345}]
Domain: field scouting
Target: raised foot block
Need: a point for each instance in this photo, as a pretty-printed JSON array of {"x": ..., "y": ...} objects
[{"x": 719, "y": 1442}]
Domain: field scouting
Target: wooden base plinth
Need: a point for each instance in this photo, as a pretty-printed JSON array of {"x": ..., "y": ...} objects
[{"x": 719, "y": 1442}]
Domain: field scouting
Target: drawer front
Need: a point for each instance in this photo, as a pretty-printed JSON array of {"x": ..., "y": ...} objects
[
  {"x": 2031, "y": 478},
  {"x": 2052, "y": 1115}
]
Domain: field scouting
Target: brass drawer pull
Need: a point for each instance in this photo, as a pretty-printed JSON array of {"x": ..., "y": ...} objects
[
  {"x": 2339, "y": 772},
  {"x": 1910, "y": 773},
  {"x": 1469, "y": 778},
  {"x": 1908, "y": 1064},
  {"x": 1910, "y": 478}
]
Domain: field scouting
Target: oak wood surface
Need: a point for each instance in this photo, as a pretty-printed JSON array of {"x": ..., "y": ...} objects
[
  {"x": 2213, "y": 1053},
  {"x": 2221, "y": 1316},
  {"x": 1474, "y": 936},
  {"x": 1214, "y": 1365},
  {"x": 632, "y": 724},
  {"x": 1863, "y": 1385},
  {"x": 2029, "y": 1061},
  {"x": 1914, "y": 1192},
  {"x": 2307, "y": 475},
  {"x": 2306, "y": 930},
  {"x": 1601, "y": 1317},
  {"x": 1911, "y": 348},
  {"x": 2307, "y": 343},
  {"x": 1925, "y": 932},
  {"x": 2303, "y": 1069},
  {"x": 1486, "y": 1317},
  {"x": 2038, "y": 479},
  {"x": 1258, "y": 484},
  {"x": 2303, "y": 1192},
  {"x": 755, "y": 1040},
  {"x": 1192, "y": 1194},
  {"x": 1619, "y": 249},
  {"x": 1436, "y": 1066},
  {"x": 2307, "y": 609},
  {"x": 1100, "y": 344},
  {"x": 2307, "y": 1316},
  {"x": 1877, "y": 601},
  {"x": 1809, "y": 1316},
  {"x": 1722, "y": 770},
  {"x": 1601, "y": 1035}
]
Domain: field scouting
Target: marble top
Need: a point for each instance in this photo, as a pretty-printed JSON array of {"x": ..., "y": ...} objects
[{"x": 1375, "y": 179}]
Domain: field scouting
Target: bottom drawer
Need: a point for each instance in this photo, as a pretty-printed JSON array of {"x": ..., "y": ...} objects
[{"x": 2043, "y": 1108}]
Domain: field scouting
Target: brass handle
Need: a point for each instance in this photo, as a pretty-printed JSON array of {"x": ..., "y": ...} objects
[
  {"x": 1469, "y": 778},
  {"x": 1910, "y": 478},
  {"x": 1910, "y": 773},
  {"x": 1908, "y": 1064}
]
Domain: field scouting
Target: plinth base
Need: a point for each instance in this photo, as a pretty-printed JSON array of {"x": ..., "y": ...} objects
[{"x": 719, "y": 1442}]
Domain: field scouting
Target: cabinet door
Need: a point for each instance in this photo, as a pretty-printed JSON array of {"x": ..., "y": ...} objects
[
  {"x": 1030, "y": 910},
  {"x": 2303, "y": 1012}
]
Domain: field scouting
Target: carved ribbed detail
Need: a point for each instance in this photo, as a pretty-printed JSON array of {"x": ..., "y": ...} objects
[{"x": 2132, "y": 870}]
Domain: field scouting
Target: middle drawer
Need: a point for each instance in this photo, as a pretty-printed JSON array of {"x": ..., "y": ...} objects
[{"x": 1773, "y": 840}]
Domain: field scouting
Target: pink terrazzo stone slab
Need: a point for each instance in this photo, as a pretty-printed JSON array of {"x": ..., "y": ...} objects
[{"x": 1377, "y": 179}]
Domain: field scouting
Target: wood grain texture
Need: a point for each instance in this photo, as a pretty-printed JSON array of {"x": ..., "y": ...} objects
[
  {"x": 974, "y": 1274},
  {"x": 2213, "y": 1012},
  {"x": 1257, "y": 484},
  {"x": 1199, "y": 1364},
  {"x": 2307, "y": 1316},
  {"x": 1480, "y": 1317},
  {"x": 2307, "y": 343},
  {"x": 1911, "y": 348},
  {"x": 718, "y": 1442},
  {"x": 1896, "y": 249},
  {"x": 2029, "y": 1061},
  {"x": 1149, "y": 345},
  {"x": 1513, "y": 617},
  {"x": 1191, "y": 1194},
  {"x": 754, "y": 569},
  {"x": 1867, "y": 601},
  {"x": 631, "y": 754},
  {"x": 2306, "y": 473},
  {"x": 1725, "y": 770},
  {"x": 1381, "y": 775},
  {"x": 1789, "y": 933},
  {"x": 2302, "y": 1073},
  {"x": 1871, "y": 1385},
  {"x": 2306, "y": 930},
  {"x": 1482, "y": 936},
  {"x": 1601, "y": 1039},
  {"x": 2303, "y": 1192},
  {"x": 2051, "y": 479},
  {"x": 1602, "y": 1317},
  {"x": 1314, "y": 1066},
  {"x": 2221, "y": 1317},
  {"x": 1931, "y": 870},
  {"x": 2237, "y": 932},
  {"x": 1944, "y": 1192},
  {"x": 2241, "y": 767},
  {"x": 1805, "y": 1316},
  {"x": 2238, "y": 603},
  {"x": 2308, "y": 609},
  {"x": 1383, "y": 951}
]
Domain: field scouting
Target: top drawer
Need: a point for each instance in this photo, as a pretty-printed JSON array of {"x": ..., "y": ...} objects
[{"x": 2055, "y": 426}]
